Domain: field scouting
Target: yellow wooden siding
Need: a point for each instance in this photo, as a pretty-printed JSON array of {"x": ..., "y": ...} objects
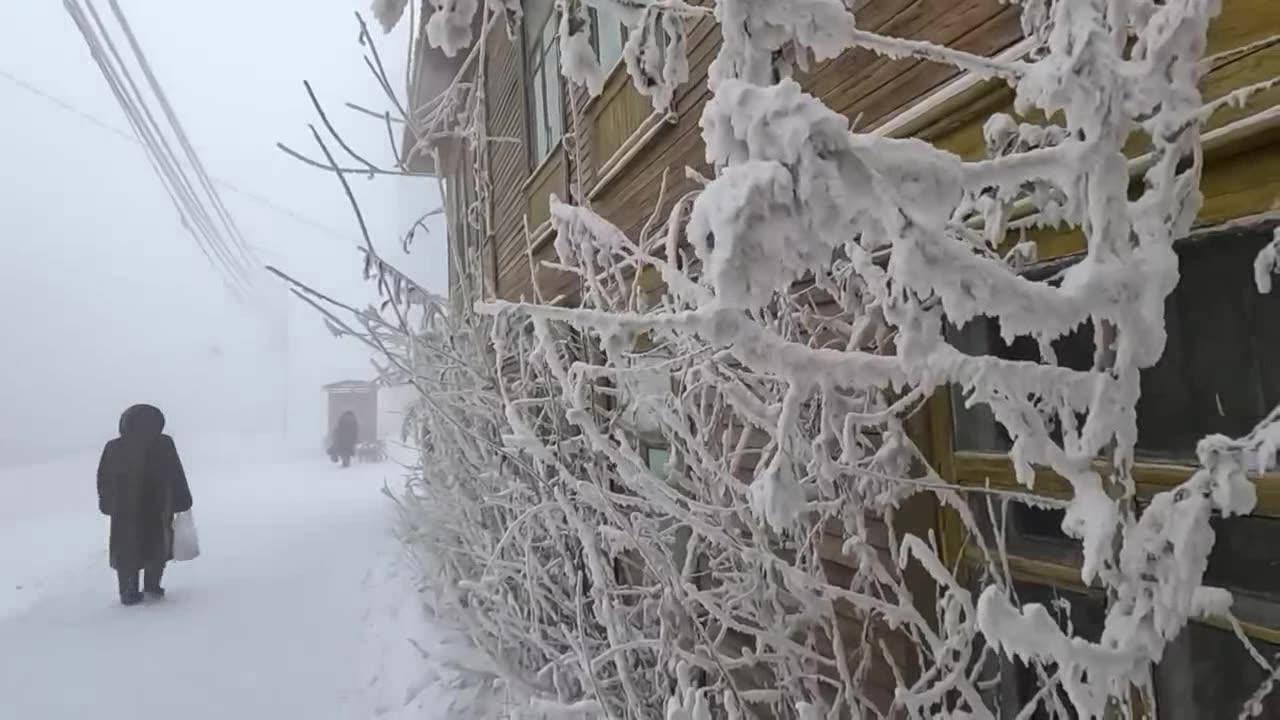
[
  {"x": 631, "y": 198},
  {"x": 508, "y": 158},
  {"x": 1241, "y": 23},
  {"x": 876, "y": 87},
  {"x": 551, "y": 179},
  {"x": 1241, "y": 178},
  {"x": 620, "y": 111}
]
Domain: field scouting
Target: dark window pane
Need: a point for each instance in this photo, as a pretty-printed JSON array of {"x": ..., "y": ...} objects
[
  {"x": 976, "y": 427},
  {"x": 1034, "y": 533},
  {"x": 1208, "y": 673},
  {"x": 1218, "y": 373},
  {"x": 1214, "y": 376},
  {"x": 1244, "y": 560},
  {"x": 1038, "y": 523},
  {"x": 1082, "y": 614},
  {"x": 1078, "y": 613}
]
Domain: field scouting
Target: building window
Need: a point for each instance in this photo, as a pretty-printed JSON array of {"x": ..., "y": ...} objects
[
  {"x": 1016, "y": 683},
  {"x": 609, "y": 35},
  {"x": 1213, "y": 378},
  {"x": 1215, "y": 375},
  {"x": 542, "y": 58},
  {"x": 1218, "y": 373},
  {"x": 657, "y": 459},
  {"x": 1242, "y": 561},
  {"x": 976, "y": 428},
  {"x": 1028, "y": 531},
  {"x": 1208, "y": 673}
]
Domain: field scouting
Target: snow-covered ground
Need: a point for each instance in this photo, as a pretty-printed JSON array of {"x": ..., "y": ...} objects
[{"x": 298, "y": 608}]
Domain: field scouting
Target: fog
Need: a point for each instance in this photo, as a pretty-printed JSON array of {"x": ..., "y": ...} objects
[{"x": 107, "y": 300}]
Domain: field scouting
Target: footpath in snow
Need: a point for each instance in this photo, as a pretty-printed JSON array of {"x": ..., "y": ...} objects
[{"x": 298, "y": 608}]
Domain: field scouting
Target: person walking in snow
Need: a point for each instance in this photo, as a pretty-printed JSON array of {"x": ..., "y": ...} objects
[
  {"x": 345, "y": 437},
  {"x": 141, "y": 484}
]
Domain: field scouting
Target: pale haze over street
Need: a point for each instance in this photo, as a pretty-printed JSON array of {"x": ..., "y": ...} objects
[
  {"x": 634, "y": 359},
  {"x": 299, "y": 603},
  {"x": 107, "y": 300}
]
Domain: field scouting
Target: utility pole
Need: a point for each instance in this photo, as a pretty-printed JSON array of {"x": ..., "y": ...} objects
[{"x": 284, "y": 365}]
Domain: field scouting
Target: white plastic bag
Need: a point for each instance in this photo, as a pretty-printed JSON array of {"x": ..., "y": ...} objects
[{"x": 186, "y": 544}]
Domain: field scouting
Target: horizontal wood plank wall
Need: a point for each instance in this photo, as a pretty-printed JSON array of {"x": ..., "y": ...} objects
[
  {"x": 1242, "y": 22},
  {"x": 862, "y": 85},
  {"x": 859, "y": 84},
  {"x": 508, "y": 158},
  {"x": 457, "y": 169},
  {"x": 618, "y": 112},
  {"x": 868, "y": 87},
  {"x": 514, "y": 279},
  {"x": 1241, "y": 177},
  {"x": 581, "y": 158},
  {"x": 631, "y": 198},
  {"x": 550, "y": 178}
]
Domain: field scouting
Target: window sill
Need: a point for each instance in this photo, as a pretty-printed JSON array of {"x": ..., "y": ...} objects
[
  {"x": 535, "y": 241},
  {"x": 543, "y": 167},
  {"x": 637, "y": 141},
  {"x": 1067, "y": 577},
  {"x": 978, "y": 469},
  {"x": 541, "y": 236},
  {"x": 615, "y": 80},
  {"x": 1232, "y": 139},
  {"x": 964, "y": 91}
]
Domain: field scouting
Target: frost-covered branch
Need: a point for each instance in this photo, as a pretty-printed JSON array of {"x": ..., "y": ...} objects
[{"x": 688, "y": 498}]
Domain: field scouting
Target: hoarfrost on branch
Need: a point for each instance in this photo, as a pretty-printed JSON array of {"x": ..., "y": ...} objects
[{"x": 774, "y": 342}]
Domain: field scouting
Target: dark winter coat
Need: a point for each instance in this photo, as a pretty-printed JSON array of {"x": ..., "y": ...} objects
[
  {"x": 141, "y": 485},
  {"x": 345, "y": 435}
]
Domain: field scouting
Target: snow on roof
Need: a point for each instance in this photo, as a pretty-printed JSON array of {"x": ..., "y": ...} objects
[{"x": 350, "y": 385}]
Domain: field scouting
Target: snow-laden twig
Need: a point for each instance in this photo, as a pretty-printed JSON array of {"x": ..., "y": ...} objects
[{"x": 799, "y": 323}]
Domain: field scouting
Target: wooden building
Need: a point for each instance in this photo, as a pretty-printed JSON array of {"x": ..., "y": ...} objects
[{"x": 1219, "y": 372}]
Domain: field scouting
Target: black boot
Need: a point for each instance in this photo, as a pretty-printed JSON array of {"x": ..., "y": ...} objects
[
  {"x": 129, "y": 594},
  {"x": 151, "y": 580}
]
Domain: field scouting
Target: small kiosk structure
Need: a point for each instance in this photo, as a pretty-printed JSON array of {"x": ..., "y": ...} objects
[{"x": 361, "y": 399}]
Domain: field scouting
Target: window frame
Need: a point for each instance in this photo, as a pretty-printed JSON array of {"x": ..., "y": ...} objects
[
  {"x": 597, "y": 35},
  {"x": 541, "y": 116},
  {"x": 1216, "y": 250},
  {"x": 650, "y": 449},
  {"x": 976, "y": 469},
  {"x": 1008, "y": 668}
]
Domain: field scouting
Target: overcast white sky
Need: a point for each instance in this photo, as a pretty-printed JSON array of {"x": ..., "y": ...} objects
[{"x": 104, "y": 299}]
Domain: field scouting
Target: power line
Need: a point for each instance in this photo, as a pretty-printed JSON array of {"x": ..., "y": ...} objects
[
  {"x": 103, "y": 125},
  {"x": 196, "y": 202}
]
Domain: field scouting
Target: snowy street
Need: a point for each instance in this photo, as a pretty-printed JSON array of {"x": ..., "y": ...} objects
[{"x": 297, "y": 608}]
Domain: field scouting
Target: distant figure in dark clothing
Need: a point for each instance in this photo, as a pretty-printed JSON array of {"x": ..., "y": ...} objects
[
  {"x": 141, "y": 485},
  {"x": 345, "y": 436}
]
